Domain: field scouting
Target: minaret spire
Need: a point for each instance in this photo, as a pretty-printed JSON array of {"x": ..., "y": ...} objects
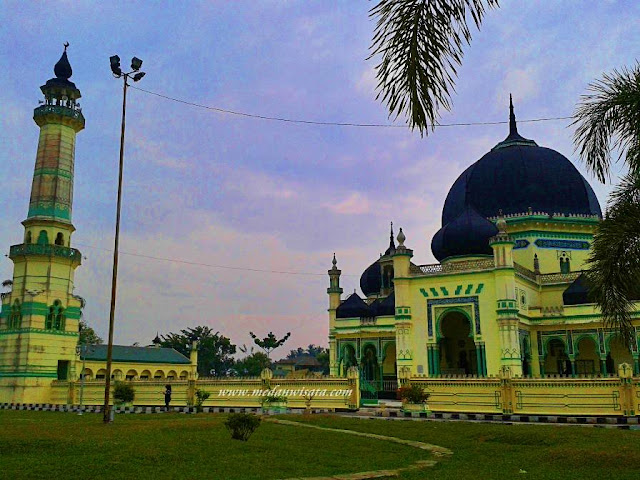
[
  {"x": 392, "y": 245},
  {"x": 513, "y": 129}
]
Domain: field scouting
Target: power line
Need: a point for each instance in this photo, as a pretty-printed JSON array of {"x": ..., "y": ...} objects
[
  {"x": 335, "y": 124},
  {"x": 199, "y": 264}
]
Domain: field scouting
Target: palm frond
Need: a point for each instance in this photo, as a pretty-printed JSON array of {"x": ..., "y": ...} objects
[
  {"x": 614, "y": 261},
  {"x": 420, "y": 42},
  {"x": 609, "y": 117}
]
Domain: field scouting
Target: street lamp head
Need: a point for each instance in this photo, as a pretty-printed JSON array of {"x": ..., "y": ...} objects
[
  {"x": 115, "y": 65},
  {"x": 136, "y": 64},
  {"x": 138, "y": 76}
]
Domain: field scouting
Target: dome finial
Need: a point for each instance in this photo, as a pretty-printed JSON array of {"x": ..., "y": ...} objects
[
  {"x": 401, "y": 238},
  {"x": 392, "y": 245},
  {"x": 334, "y": 261},
  {"x": 513, "y": 129}
]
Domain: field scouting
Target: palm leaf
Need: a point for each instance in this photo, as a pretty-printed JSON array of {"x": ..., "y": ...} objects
[
  {"x": 614, "y": 261},
  {"x": 609, "y": 118},
  {"x": 420, "y": 42}
]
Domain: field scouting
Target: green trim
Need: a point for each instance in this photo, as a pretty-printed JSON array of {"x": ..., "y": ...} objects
[
  {"x": 403, "y": 317},
  {"x": 48, "y": 250},
  {"x": 424, "y": 293},
  {"x": 458, "y": 290},
  {"x": 50, "y": 209},
  {"x": 434, "y": 292},
  {"x": 445, "y": 292},
  {"x": 20, "y": 331},
  {"x": 53, "y": 171},
  {"x": 558, "y": 220},
  {"x": 563, "y": 236},
  {"x": 479, "y": 289},
  {"x": 28, "y": 374},
  {"x": 502, "y": 242}
]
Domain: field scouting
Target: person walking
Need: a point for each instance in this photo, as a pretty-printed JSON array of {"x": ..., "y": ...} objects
[{"x": 167, "y": 396}]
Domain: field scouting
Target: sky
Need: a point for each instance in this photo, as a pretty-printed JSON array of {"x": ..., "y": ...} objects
[{"x": 242, "y": 215}]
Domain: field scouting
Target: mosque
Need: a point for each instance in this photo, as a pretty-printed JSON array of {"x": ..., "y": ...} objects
[
  {"x": 509, "y": 289},
  {"x": 40, "y": 315}
]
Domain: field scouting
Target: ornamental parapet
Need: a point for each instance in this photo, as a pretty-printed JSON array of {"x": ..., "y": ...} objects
[
  {"x": 453, "y": 267},
  {"x": 45, "y": 250},
  {"x": 65, "y": 112}
]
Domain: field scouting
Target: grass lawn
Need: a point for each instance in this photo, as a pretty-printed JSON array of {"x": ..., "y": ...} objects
[
  {"x": 483, "y": 451},
  {"x": 65, "y": 445},
  {"x": 51, "y": 445}
]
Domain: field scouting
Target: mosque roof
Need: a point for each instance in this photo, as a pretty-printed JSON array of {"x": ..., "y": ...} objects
[
  {"x": 384, "y": 306},
  {"x": 123, "y": 353},
  {"x": 517, "y": 174},
  {"x": 514, "y": 176},
  {"x": 578, "y": 292},
  {"x": 352, "y": 307}
]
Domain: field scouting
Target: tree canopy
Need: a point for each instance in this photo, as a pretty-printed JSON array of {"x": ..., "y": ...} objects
[
  {"x": 270, "y": 342},
  {"x": 214, "y": 350}
]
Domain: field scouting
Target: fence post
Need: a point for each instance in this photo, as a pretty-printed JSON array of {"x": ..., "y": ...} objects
[
  {"x": 353, "y": 375},
  {"x": 191, "y": 392},
  {"x": 71, "y": 394},
  {"x": 506, "y": 389},
  {"x": 625, "y": 373}
]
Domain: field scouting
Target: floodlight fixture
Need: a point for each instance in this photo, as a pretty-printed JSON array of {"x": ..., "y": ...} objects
[
  {"x": 136, "y": 64},
  {"x": 115, "y": 65},
  {"x": 138, "y": 76}
]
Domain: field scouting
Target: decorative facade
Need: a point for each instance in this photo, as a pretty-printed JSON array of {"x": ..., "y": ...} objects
[{"x": 509, "y": 289}]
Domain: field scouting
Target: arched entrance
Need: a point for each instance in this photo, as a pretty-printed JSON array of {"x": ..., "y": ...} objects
[
  {"x": 389, "y": 373},
  {"x": 557, "y": 361},
  {"x": 457, "y": 348},
  {"x": 587, "y": 359},
  {"x": 620, "y": 353},
  {"x": 348, "y": 359},
  {"x": 369, "y": 364}
]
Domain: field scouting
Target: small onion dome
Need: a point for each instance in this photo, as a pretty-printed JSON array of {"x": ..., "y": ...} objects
[
  {"x": 353, "y": 307},
  {"x": 62, "y": 69},
  {"x": 384, "y": 306},
  {"x": 371, "y": 279},
  {"x": 468, "y": 234}
]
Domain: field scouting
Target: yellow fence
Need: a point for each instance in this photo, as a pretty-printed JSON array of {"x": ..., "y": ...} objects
[
  {"x": 316, "y": 393},
  {"x": 534, "y": 396}
]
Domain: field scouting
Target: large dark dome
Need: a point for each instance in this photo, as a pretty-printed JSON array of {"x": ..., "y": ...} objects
[
  {"x": 514, "y": 176},
  {"x": 517, "y": 174}
]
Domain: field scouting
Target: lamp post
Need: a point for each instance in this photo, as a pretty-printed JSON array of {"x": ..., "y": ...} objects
[{"x": 136, "y": 75}]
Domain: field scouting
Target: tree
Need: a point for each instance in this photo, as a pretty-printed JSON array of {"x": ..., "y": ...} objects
[
  {"x": 319, "y": 353},
  {"x": 270, "y": 342},
  {"x": 252, "y": 364},
  {"x": 609, "y": 117},
  {"x": 214, "y": 350},
  {"x": 421, "y": 45},
  {"x": 88, "y": 336}
]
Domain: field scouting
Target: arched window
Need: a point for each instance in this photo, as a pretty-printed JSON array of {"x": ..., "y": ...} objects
[
  {"x": 55, "y": 319},
  {"x": 27, "y": 238},
  {"x": 59, "y": 239},
  {"x": 43, "y": 238},
  {"x": 15, "y": 317},
  {"x": 565, "y": 266}
]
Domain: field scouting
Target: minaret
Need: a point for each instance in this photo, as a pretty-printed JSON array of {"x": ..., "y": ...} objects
[
  {"x": 40, "y": 315},
  {"x": 334, "y": 292}
]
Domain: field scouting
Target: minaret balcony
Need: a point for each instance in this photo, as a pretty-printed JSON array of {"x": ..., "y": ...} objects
[
  {"x": 62, "y": 113},
  {"x": 25, "y": 249}
]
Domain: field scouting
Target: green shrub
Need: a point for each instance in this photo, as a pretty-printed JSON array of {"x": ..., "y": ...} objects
[
  {"x": 242, "y": 425},
  {"x": 273, "y": 398},
  {"x": 201, "y": 396},
  {"x": 123, "y": 392},
  {"x": 413, "y": 394}
]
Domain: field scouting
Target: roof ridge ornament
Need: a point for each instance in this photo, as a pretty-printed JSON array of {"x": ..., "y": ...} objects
[{"x": 514, "y": 138}]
